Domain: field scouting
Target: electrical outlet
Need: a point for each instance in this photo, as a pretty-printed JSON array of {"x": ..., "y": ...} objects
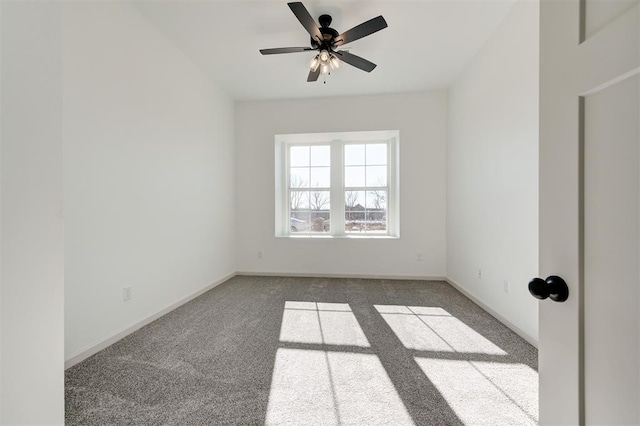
[
  {"x": 419, "y": 257},
  {"x": 259, "y": 254},
  {"x": 506, "y": 286},
  {"x": 479, "y": 274},
  {"x": 126, "y": 293}
]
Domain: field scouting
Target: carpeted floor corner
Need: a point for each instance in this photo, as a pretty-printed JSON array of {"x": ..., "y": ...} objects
[{"x": 273, "y": 350}]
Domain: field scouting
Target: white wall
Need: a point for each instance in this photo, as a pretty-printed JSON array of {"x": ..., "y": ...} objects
[
  {"x": 1, "y": 84},
  {"x": 148, "y": 173},
  {"x": 31, "y": 313},
  {"x": 492, "y": 171},
  {"x": 421, "y": 120}
]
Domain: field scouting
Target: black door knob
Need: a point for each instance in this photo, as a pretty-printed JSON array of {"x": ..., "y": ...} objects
[{"x": 554, "y": 287}]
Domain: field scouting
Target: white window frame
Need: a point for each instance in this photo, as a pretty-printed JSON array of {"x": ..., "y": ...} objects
[{"x": 337, "y": 141}]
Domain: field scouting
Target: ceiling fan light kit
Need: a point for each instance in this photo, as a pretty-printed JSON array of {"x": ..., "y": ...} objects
[{"x": 326, "y": 41}]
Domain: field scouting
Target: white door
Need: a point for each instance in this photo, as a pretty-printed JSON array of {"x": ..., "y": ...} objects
[{"x": 589, "y": 210}]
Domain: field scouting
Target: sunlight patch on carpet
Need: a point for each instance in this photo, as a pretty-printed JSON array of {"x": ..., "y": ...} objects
[
  {"x": 332, "y": 388},
  {"x": 484, "y": 392},
  {"x": 321, "y": 323},
  {"x": 434, "y": 329}
]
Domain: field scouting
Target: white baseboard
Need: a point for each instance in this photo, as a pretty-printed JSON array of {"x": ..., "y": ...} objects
[
  {"x": 322, "y": 275},
  {"x": 526, "y": 336},
  {"x": 94, "y": 349}
]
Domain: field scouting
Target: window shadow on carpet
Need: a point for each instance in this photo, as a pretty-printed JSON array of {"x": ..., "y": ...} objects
[{"x": 276, "y": 350}]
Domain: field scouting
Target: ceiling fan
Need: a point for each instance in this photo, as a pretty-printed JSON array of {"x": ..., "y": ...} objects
[{"x": 327, "y": 40}]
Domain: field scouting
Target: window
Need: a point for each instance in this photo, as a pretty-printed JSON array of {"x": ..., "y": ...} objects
[{"x": 338, "y": 184}]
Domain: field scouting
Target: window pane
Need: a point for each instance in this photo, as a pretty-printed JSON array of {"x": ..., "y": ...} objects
[
  {"x": 354, "y": 218},
  {"x": 376, "y": 226},
  {"x": 300, "y": 222},
  {"x": 354, "y": 200},
  {"x": 354, "y": 155},
  {"x": 299, "y": 201},
  {"x": 319, "y": 224},
  {"x": 319, "y": 201},
  {"x": 320, "y": 221},
  {"x": 326, "y": 224},
  {"x": 354, "y": 176},
  {"x": 299, "y": 177},
  {"x": 376, "y": 175},
  {"x": 376, "y": 200},
  {"x": 376, "y": 215},
  {"x": 377, "y": 154},
  {"x": 354, "y": 221},
  {"x": 299, "y": 156},
  {"x": 320, "y": 155},
  {"x": 320, "y": 177}
]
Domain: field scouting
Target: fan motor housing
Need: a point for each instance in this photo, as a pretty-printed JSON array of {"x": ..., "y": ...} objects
[{"x": 327, "y": 33}]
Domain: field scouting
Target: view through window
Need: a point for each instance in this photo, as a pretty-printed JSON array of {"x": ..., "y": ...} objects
[
  {"x": 309, "y": 188},
  {"x": 366, "y": 190}
]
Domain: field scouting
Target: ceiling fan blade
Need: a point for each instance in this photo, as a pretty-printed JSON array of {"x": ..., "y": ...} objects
[
  {"x": 284, "y": 50},
  {"x": 356, "y": 61},
  {"x": 313, "y": 75},
  {"x": 362, "y": 30},
  {"x": 306, "y": 20}
]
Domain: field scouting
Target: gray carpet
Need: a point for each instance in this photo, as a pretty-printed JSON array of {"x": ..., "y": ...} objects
[{"x": 271, "y": 350}]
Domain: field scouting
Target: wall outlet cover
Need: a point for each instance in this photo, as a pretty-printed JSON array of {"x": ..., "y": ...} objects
[{"x": 126, "y": 293}]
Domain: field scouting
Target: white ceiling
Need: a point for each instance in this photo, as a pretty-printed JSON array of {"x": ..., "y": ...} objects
[{"x": 426, "y": 46}]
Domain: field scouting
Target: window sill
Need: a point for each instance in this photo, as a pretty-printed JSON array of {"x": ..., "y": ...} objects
[{"x": 340, "y": 237}]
